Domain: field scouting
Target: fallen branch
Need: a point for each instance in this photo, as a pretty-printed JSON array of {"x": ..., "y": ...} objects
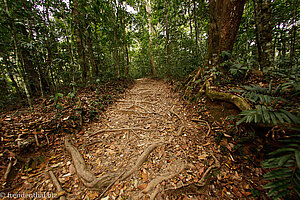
[
  {"x": 57, "y": 185},
  {"x": 119, "y": 130},
  {"x": 155, "y": 193},
  {"x": 8, "y": 170}
]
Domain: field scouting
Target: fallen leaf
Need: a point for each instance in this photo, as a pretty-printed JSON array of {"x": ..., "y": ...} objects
[
  {"x": 144, "y": 176},
  {"x": 142, "y": 186},
  {"x": 202, "y": 157}
]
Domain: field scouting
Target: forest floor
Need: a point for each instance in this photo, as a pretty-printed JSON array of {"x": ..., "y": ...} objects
[{"x": 150, "y": 145}]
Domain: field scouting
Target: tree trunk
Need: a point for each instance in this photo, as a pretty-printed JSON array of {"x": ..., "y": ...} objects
[
  {"x": 264, "y": 29},
  {"x": 10, "y": 74},
  {"x": 91, "y": 54},
  {"x": 126, "y": 57},
  {"x": 225, "y": 18},
  {"x": 167, "y": 39},
  {"x": 257, "y": 36},
  {"x": 196, "y": 27},
  {"x": 79, "y": 40},
  {"x": 150, "y": 27},
  {"x": 293, "y": 32}
]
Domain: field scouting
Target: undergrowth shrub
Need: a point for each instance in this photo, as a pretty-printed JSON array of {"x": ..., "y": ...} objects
[{"x": 271, "y": 108}]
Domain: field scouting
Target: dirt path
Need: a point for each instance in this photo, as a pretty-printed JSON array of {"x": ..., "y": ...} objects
[{"x": 148, "y": 114}]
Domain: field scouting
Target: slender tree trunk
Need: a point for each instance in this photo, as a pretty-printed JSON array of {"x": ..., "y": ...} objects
[
  {"x": 264, "y": 29},
  {"x": 257, "y": 35},
  {"x": 126, "y": 58},
  {"x": 10, "y": 74},
  {"x": 91, "y": 54},
  {"x": 167, "y": 39},
  {"x": 99, "y": 63},
  {"x": 116, "y": 50},
  {"x": 293, "y": 32},
  {"x": 190, "y": 22},
  {"x": 196, "y": 27},
  {"x": 150, "y": 27},
  {"x": 79, "y": 40}
]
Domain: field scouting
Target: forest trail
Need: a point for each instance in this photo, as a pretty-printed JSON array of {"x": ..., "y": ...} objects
[{"x": 149, "y": 133}]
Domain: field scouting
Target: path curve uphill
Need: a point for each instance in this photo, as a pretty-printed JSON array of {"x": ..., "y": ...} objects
[{"x": 144, "y": 147}]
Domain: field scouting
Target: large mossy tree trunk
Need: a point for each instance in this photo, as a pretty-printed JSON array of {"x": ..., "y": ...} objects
[{"x": 225, "y": 18}]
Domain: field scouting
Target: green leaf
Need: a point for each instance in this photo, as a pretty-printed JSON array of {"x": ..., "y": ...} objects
[
  {"x": 287, "y": 119},
  {"x": 259, "y": 111},
  {"x": 278, "y": 115},
  {"x": 241, "y": 120},
  {"x": 59, "y": 95},
  {"x": 266, "y": 115},
  {"x": 273, "y": 118},
  {"x": 297, "y": 156},
  {"x": 282, "y": 150},
  {"x": 291, "y": 116},
  {"x": 270, "y": 88},
  {"x": 284, "y": 159},
  {"x": 277, "y": 190},
  {"x": 278, "y": 173},
  {"x": 276, "y": 183},
  {"x": 59, "y": 107},
  {"x": 270, "y": 163}
]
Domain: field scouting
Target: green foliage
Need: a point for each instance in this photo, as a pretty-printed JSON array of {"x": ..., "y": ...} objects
[
  {"x": 239, "y": 70},
  {"x": 266, "y": 110},
  {"x": 285, "y": 169}
]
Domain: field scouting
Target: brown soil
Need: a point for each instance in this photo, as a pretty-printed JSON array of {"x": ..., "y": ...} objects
[{"x": 185, "y": 164}]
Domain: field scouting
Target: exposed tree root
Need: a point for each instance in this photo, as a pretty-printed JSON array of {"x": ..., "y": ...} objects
[
  {"x": 119, "y": 130},
  {"x": 155, "y": 193},
  {"x": 59, "y": 189},
  {"x": 108, "y": 187},
  {"x": 239, "y": 102},
  {"x": 174, "y": 113},
  {"x": 135, "y": 106},
  {"x": 201, "y": 120},
  {"x": 134, "y": 101},
  {"x": 203, "y": 181},
  {"x": 136, "y": 112},
  {"x": 94, "y": 183},
  {"x": 198, "y": 187},
  {"x": 177, "y": 170},
  {"x": 141, "y": 159}
]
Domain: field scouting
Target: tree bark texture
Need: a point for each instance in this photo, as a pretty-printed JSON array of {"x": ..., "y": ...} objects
[
  {"x": 264, "y": 27},
  {"x": 150, "y": 27},
  {"x": 225, "y": 18},
  {"x": 79, "y": 40}
]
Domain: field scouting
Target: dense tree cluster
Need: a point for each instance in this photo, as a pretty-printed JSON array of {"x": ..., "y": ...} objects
[{"x": 47, "y": 45}]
